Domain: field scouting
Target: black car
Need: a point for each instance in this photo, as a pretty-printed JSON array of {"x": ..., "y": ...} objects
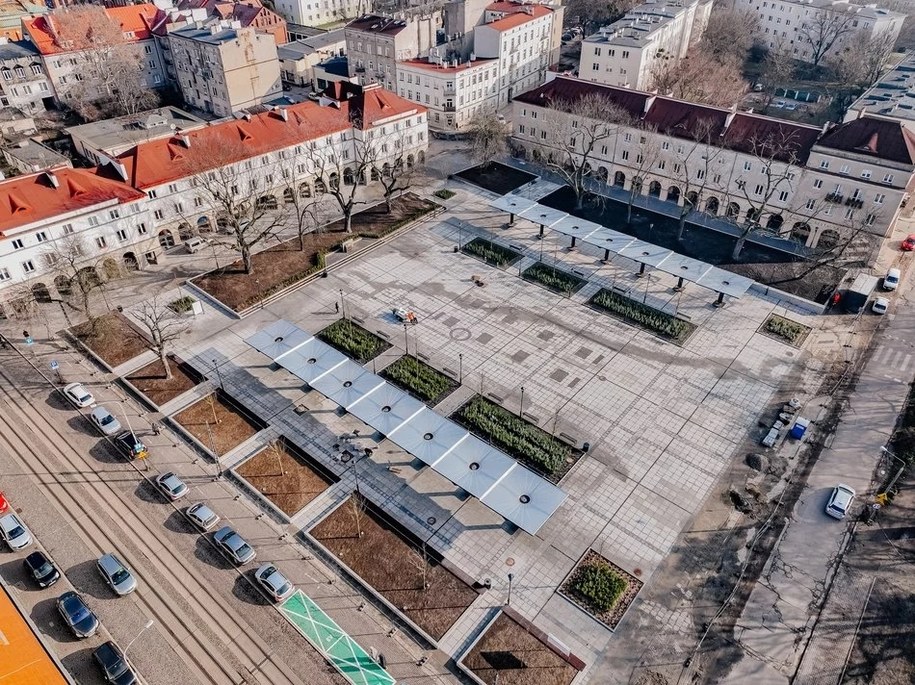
[
  {"x": 114, "y": 664},
  {"x": 78, "y": 617},
  {"x": 41, "y": 569},
  {"x": 130, "y": 445}
]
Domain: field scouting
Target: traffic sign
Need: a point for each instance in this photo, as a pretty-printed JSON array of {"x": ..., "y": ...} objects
[
  {"x": 54, "y": 366},
  {"x": 29, "y": 341}
]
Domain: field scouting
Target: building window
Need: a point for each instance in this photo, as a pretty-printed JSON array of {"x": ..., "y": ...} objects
[
  {"x": 665, "y": 145},
  {"x": 198, "y": 201},
  {"x": 879, "y": 198},
  {"x": 152, "y": 194},
  {"x": 625, "y": 155},
  {"x": 41, "y": 236},
  {"x": 28, "y": 267},
  {"x": 122, "y": 235},
  {"x": 18, "y": 244},
  {"x": 627, "y": 137},
  {"x": 844, "y": 169},
  {"x": 810, "y": 204},
  {"x": 783, "y": 196},
  {"x": 747, "y": 166},
  {"x": 4, "y": 274},
  {"x": 818, "y": 183},
  {"x": 866, "y": 173},
  {"x": 159, "y": 214},
  {"x": 888, "y": 178},
  {"x": 115, "y": 214},
  {"x": 824, "y": 163},
  {"x": 141, "y": 229},
  {"x": 759, "y": 189},
  {"x": 521, "y": 129},
  {"x": 93, "y": 221},
  {"x": 101, "y": 242},
  {"x": 661, "y": 164},
  {"x": 36, "y": 69},
  {"x": 68, "y": 229},
  {"x": 173, "y": 187},
  {"x": 870, "y": 219}
]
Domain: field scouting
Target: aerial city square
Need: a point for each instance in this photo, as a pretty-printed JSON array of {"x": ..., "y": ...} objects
[{"x": 493, "y": 343}]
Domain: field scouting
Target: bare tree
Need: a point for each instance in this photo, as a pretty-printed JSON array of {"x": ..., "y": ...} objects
[
  {"x": 692, "y": 168},
  {"x": 488, "y": 136},
  {"x": 227, "y": 182},
  {"x": 395, "y": 174},
  {"x": 823, "y": 30},
  {"x": 777, "y": 69},
  {"x": 300, "y": 207},
  {"x": 594, "y": 13},
  {"x": 646, "y": 154},
  {"x": 76, "y": 276},
  {"x": 162, "y": 326},
  {"x": 574, "y": 132},
  {"x": 864, "y": 63},
  {"x": 420, "y": 560},
  {"x": 341, "y": 176},
  {"x": 700, "y": 77},
  {"x": 730, "y": 33},
  {"x": 773, "y": 166},
  {"x": 357, "y": 502}
]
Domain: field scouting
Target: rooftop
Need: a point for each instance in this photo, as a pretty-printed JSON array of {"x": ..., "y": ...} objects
[
  {"x": 864, "y": 11},
  {"x": 136, "y": 23},
  {"x": 32, "y": 154},
  {"x": 639, "y": 24},
  {"x": 372, "y": 23},
  {"x": 307, "y": 46},
  {"x": 31, "y": 198},
  {"x": 873, "y": 137},
  {"x": 445, "y": 68},
  {"x": 523, "y": 15},
  {"x": 136, "y": 128},
  {"x": 17, "y": 50},
  {"x": 338, "y": 66},
  {"x": 21, "y": 650},
  {"x": 893, "y": 95},
  {"x": 214, "y": 35}
]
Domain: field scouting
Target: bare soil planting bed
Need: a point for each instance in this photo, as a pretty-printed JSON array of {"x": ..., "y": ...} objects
[
  {"x": 285, "y": 264},
  {"x": 216, "y": 424},
  {"x": 111, "y": 338},
  {"x": 151, "y": 380},
  {"x": 283, "y": 477},
  {"x": 508, "y": 654},
  {"x": 394, "y": 567}
]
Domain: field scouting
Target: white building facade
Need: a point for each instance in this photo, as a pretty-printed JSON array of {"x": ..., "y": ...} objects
[
  {"x": 320, "y": 12},
  {"x": 629, "y": 51}
]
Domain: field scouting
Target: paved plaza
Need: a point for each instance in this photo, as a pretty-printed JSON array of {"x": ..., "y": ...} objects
[{"x": 662, "y": 421}]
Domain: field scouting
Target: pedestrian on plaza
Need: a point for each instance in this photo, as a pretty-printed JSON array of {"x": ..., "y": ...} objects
[{"x": 337, "y": 307}]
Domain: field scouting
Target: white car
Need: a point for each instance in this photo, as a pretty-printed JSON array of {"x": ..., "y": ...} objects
[
  {"x": 273, "y": 582},
  {"x": 891, "y": 280},
  {"x": 14, "y": 532},
  {"x": 104, "y": 420},
  {"x": 880, "y": 305},
  {"x": 202, "y": 516},
  {"x": 78, "y": 395},
  {"x": 171, "y": 486},
  {"x": 840, "y": 501}
]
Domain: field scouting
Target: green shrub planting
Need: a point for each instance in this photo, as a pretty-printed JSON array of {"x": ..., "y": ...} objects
[
  {"x": 790, "y": 331},
  {"x": 598, "y": 586},
  {"x": 419, "y": 379},
  {"x": 353, "y": 340},
  {"x": 643, "y": 315},
  {"x": 549, "y": 277},
  {"x": 489, "y": 252}
]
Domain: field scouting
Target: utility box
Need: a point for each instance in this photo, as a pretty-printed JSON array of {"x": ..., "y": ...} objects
[{"x": 856, "y": 296}]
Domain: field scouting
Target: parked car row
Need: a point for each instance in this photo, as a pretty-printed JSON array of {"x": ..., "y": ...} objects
[{"x": 881, "y": 305}]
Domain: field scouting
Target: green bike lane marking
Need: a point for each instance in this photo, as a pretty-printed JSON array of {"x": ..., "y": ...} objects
[{"x": 336, "y": 646}]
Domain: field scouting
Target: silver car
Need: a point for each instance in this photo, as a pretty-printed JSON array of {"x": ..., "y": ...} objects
[
  {"x": 202, "y": 516},
  {"x": 104, "y": 420},
  {"x": 116, "y": 575},
  {"x": 840, "y": 501},
  {"x": 273, "y": 582},
  {"x": 78, "y": 395},
  {"x": 233, "y": 546},
  {"x": 14, "y": 532},
  {"x": 171, "y": 486}
]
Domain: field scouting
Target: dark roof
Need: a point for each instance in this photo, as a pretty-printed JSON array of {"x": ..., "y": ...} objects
[
  {"x": 879, "y": 138},
  {"x": 17, "y": 50},
  {"x": 751, "y": 133},
  {"x": 566, "y": 90},
  {"x": 372, "y": 23},
  {"x": 339, "y": 66}
]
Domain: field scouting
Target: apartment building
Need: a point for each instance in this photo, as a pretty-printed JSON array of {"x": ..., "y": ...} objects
[
  {"x": 224, "y": 68},
  {"x": 453, "y": 93},
  {"x": 893, "y": 96},
  {"x": 816, "y": 186},
  {"x": 630, "y": 51},
  {"x": 815, "y": 30},
  {"x": 24, "y": 85},
  {"x": 79, "y": 71},
  {"x": 321, "y": 12},
  {"x": 123, "y": 213},
  {"x": 299, "y": 58},
  {"x": 374, "y": 45}
]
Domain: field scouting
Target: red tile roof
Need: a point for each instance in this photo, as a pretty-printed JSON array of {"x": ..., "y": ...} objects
[
  {"x": 565, "y": 91},
  {"x": 686, "y": 120},
  {"x": 138, "y": 19},
  {"x": 523, "y": 15},
  {"x": 785, "y": 141},
  {"x": 374, "y": 105},
  {"x": 168, "y": 159},
  {"x": 27, "y": 199},
  {"x": 879, "y": 138}
]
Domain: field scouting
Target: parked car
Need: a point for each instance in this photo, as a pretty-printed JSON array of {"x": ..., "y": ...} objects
[
  {"x": 908, "y": 244},
  {"x": 780, "y": 104},
  {"x": 104, "y": 420},
  {"x": 171, "y": 486},
  {"x": 14, "y": 532},
  {"x": 78, "y": 395},
  {"x": 891, "y": 280},
  {"x": 880, "y": 305},
  {"x": 77, "y": 615},
  {"x": 840, "y": 501},
  {"x": 116, "y": 575},
  {"x": 273, "y": 582},
  {"x": 194, "y": 245},
  {"x": 202, "y": 516},
  {"x": 233, "y": 546},
  {"x": 114, "y": 664},
  {"x": 130, "y": 445},
  {"x": 41, "y": 569}
]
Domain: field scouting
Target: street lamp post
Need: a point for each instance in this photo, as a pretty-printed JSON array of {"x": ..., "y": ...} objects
[
  {"x": 342, "y": 303},
  {"x": 460, "y": 367},
  {"x": 511, "y": 577},
  {"x": 521, "y": 408},
  {"x": 149, "y": 624},
  {"x": 406, "y": 347},
  {"x": 218, "y": 375}
]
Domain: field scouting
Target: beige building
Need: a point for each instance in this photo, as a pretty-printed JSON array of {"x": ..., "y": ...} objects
[
  {"x": 299, "y": 58},
  {"x": 375, "y": 44},
  {"x": 225, "y": 68},
  {"x": 629, "y": 51}
]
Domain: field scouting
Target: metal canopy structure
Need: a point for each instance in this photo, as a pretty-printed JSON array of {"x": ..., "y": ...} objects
[
  {"x": 498, "y": 481},
  {"x": 590, "y": 233}
]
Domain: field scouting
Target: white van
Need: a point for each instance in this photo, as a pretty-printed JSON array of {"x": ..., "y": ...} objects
[
  {"x": 891, "y": 280},
  {"x": 194, "y": 245}
]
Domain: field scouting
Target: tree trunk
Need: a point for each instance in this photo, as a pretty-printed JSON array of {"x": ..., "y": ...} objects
[
  {"x": 738, "y": 246},
  {"x": 247, "y": 260},
  {"x": 629, "y": 209},
  {"x": 348, "y": 219},
  {"x": 301, "y": 240},
  {"x": 684, "y": 212},
  {"x": 388, "y": 199},
  {"x": 163, "y": 357},
  {"x": 579, "y": 198}
]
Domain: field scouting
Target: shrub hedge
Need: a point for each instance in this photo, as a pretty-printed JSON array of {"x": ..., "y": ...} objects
[
  {"x": 511, "y": 433},
  {"x": 553, "y": 279},
  {"x": 490, "y": 252},
  {"x": 419, "y": 379},
  {"x": 182, "y": 304},
  {"x": 643, "y": 315},
  {"x": 790, "y": 331},
  {"x": 444, "y": 194},
  {"x": 599, "y": 586},
  {"x": 353, "y": 340}
]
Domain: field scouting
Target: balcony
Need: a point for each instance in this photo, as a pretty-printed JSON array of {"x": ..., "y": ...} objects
[
  {"x": 854, "y": 202},
  {"x": 448, "y": 107},
  {"x": 835, "y": 198},
  {"x": 449, "y": 90}
]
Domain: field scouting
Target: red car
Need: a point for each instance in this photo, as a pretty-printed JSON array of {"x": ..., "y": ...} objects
[{"x": 908, "y": 244}]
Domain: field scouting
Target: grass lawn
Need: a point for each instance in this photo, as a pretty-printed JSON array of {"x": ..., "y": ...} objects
[
  {"x": 516, "y": 436},
  {"x": 283, "y": 477},
  {"x": 352, "y": 339},
  {"x": 420, "y": 380},
  {"x": 112, "y": 338},
  {"x": 383, "y": 558},
  {"x": 216, "y": 424},
  {"x": 508, "y": 654},
  {"x": 151, "y": 380},
  {"x": 282, "y": 265}
]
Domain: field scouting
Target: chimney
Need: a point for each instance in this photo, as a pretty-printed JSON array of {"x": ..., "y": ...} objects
[
  {"x": 52, "y": 178},
  {"x": 184, "y": 139},
  {"x": 283, "y": 113}
]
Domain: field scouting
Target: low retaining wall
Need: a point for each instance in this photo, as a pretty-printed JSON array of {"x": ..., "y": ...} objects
[{"x": 796, "y": 301}]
